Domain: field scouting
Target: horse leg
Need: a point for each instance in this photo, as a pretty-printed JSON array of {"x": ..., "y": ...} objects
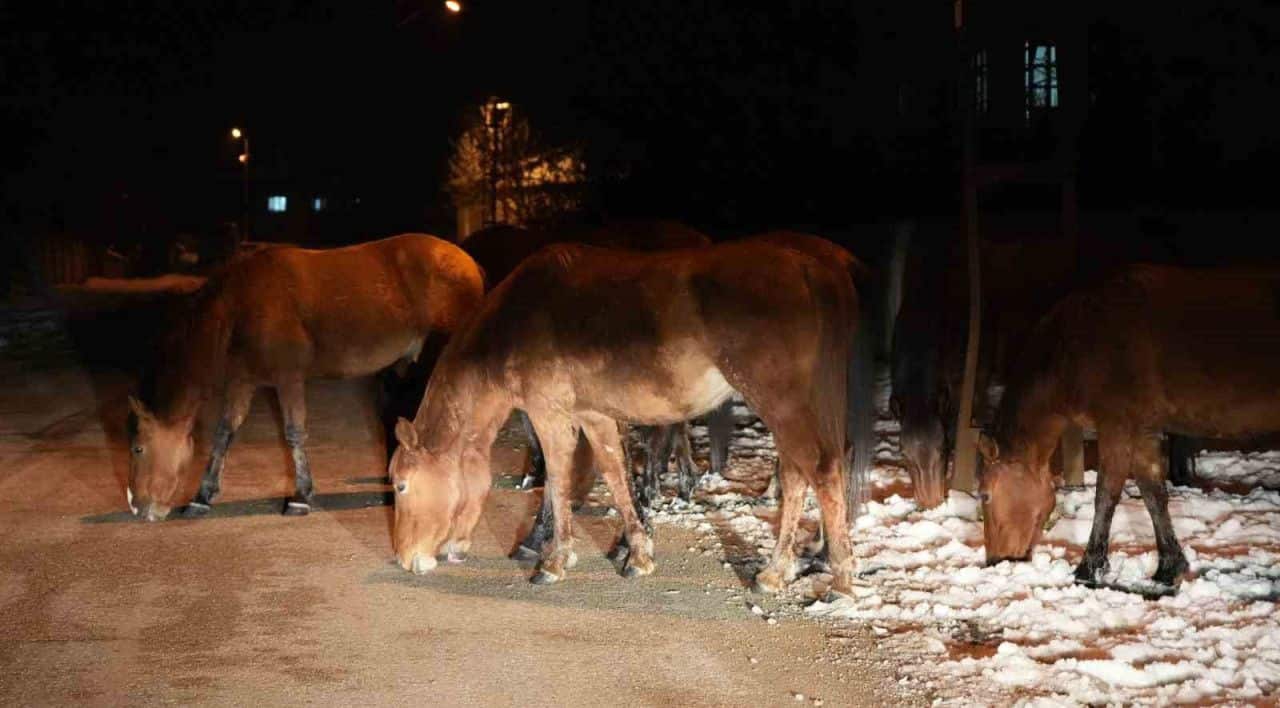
[
  {"x": 659, "y": 439},
  {"x": 602, "y": 433},
  {"x": 1156, "y": 497},
  {"x": 583, "y": 480},
  {"x": 782, "y": 568},
  {"x": 720, "y": 430},
  {"x": 830, "y": 489},
  {"x": 234, "y": 410},
  {"x": 537, "y": 474},
  {"x": 684, "y": 461},
  {"x": 1114, "y": 457},
  {"x": 293, "y": 402},
  {"x": 558, "y": 439}
]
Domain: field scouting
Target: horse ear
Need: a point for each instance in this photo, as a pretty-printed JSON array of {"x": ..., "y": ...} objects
[
  {"x": 406, "y": 434},
  {"x": 140, "y": 410},
  {"x": 988, "y": 447}
]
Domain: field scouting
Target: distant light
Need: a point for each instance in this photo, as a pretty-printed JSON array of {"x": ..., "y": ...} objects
[
  {"x": 235, "y": 133},
  {"x": 244, "y": 157},
  {"x": 318, "y": 204},
  {"x": 453, "y": 6},
  {"x": 277, "y": 203},
  {"x": 502, "y": 105}
]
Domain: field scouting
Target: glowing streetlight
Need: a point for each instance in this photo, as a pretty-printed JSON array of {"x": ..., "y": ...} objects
[
  {"x": 453, "y": 6},
  {"x": 237, "y": 134}
]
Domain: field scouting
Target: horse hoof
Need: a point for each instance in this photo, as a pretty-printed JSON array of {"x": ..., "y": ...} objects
[
  {"x": 296, "y": 508},
  {"x": 524, "y": 553},
  {"x": 542, "y": 577},
  {"x": 768, "y": 582},
  {"x": 636, "y": 570},
  {"x": 456, "y": 557},
  {"x": 195, "y": 510},
  {"x": 422, "y": 564}
]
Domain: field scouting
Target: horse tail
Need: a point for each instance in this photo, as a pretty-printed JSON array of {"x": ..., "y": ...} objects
[{"x": 867, "y": 331}]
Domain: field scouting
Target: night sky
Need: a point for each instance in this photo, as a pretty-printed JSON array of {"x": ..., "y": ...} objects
[{"x": 730, "y": 115}]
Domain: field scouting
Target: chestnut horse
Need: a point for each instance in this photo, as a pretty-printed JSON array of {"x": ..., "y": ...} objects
[
  {"x": 861, "y": 392},
  {"x": 1155, "y": 348},
  {"x": 277, "y": 318},
  {"x": 582, "y": 338}
]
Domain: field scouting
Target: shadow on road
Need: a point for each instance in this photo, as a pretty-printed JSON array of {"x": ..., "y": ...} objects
[{"x": 263, "y": 507}]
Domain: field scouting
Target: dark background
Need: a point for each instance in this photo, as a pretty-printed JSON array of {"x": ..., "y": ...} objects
[{"x": 733, "y": 116}]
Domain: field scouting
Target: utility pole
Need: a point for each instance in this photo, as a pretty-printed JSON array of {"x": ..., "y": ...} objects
[{"x": 966, "y": 459}]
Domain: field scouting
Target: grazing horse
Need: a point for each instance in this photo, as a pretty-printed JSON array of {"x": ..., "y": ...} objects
[
  {"x": 277, "y": 318},
  {"x": 583, "y": 338},
  {"x": 861, "y": 397},
  {"x": 1153, "y": 349},
  {"x": 1021, "y": 280}
]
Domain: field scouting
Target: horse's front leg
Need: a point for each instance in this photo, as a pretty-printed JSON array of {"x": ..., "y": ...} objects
[
  {"x": 1156, "y": 497},
  {"x": 292, "y": 395},
  {"x": 234, "y": 410},
  {"x": 606, "y": 443},
  {"x": 558, "y": 437},
  {"x": 1115, "y": 454}
]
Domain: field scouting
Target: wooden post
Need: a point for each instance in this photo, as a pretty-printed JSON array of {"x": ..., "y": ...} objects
[{"x": 966, "y": 454}]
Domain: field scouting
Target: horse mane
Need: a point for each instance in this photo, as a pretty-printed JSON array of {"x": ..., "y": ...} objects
[{"x": 190, "y": 354}]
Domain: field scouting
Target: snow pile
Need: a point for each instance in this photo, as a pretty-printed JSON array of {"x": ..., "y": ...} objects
[{"x": 1256, "y": 469}]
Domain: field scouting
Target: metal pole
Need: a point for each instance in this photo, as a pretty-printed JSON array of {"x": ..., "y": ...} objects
[{"x": 244, "y": 200}]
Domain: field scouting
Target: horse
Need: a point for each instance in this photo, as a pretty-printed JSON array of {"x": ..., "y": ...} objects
[
  {"x": 499, "y": 250},
  {"x": 1020, "y": 281},
  {"x": 1154, "y": 348},
  {"x": 278, "y": 318},
  {"x": 660, "y": 441},
  {"x": 583, "y": 338}
]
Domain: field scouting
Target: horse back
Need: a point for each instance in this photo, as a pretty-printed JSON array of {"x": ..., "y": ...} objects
[{"x": 1188, "y": 350}]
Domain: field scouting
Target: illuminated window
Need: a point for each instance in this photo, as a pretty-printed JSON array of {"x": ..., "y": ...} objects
[
  {"x": 980, "y": 81},
  {"x": 318, "y": 204},
  {"x": 277, "y": 203},
  {"x": 1042, "y": 77}
]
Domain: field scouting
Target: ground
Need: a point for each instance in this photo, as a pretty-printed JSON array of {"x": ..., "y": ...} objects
[{"x": 251, "y": 607}]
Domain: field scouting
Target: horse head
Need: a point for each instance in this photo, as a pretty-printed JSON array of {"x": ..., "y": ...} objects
[
  {"x": 926, "y": 444},
  {"x": 1017, "y": 493},
  {"x": 427, "y": 494},
  {"x": 159, "y": 450}
]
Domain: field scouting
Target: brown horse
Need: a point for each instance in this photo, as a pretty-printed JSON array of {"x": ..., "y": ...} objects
[
  {"x": 1155, "y": 348},
  {"x": 277, "y": 318},
  {"x": 582, "y": 338}
]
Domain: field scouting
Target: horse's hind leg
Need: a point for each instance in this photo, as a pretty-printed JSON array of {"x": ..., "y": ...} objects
[
  {"x": 684, "y": 461},
  {"x": 720, "y": 430},
  {"x": 537, "y": 474},
  {"x": 234, "y": 410},
  {"x": 606, "y": 443},
  {"x": 293, "y": 402},
  {"x": 658, "y": 442},
  {"x": 834, "y": 503},
  {"x": 782, "y": 567}
]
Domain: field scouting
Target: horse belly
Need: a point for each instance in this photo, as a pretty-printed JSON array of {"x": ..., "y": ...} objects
[
  {"x": 359, "y": 356},
  {"x": 658, "y": 401}
]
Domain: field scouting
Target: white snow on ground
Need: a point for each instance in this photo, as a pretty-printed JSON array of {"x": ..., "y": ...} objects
[
  {"x": 1019, "y": 632},
  {"x": 1260, "y": 469},
  {"x": 1025, "y": 633}
]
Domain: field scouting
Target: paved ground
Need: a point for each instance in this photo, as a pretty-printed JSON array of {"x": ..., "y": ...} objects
[{"x": 251, "y": 607}]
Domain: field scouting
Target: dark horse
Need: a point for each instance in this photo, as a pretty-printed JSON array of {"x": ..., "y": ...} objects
[
  {"x": 583, "y": 338},
  {"x": 861, "y": 382},
  {"x": 1020, "y": 281},
  {"x": 277, "y": 318},
  {"x": 1155, "y": 348}
]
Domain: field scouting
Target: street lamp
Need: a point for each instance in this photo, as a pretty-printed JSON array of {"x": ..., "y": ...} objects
[
  {"x": 238, "y": 134},
  {"x": 453, "y": 6}
]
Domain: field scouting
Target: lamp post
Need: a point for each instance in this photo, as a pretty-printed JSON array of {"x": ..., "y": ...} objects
[{"x": 238, "y": 134}]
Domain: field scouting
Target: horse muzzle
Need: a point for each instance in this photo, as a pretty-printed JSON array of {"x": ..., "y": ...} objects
[{"x": 150, "y": 511}]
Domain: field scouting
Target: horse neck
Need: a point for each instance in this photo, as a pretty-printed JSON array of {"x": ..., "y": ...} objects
[
  {"x": 463, "y": 407},
  {"x": 193, "y": 362},
  {"x": 1037, "y": 405}
]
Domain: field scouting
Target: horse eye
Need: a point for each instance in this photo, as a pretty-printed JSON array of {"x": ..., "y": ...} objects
[
  {"x": 984, "y": 497},
  {"x": 137, "y": 450}
]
